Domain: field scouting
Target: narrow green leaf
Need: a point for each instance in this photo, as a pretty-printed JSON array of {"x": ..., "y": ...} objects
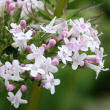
[
  {"x": 60, "y": 5},
  {"x": 47, "y": 11}
]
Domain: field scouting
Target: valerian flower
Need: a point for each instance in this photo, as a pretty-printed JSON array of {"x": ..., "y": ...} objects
[
  {"x": 50, "y": 82},
  {"x": 21, "y": 39},
  {"x": 11, "y": 71},
  {"x": 34, "y": 69},
  {"x": 52, "y": 28},
  {"x": 16, "y": 99},
  {"x": 64, "y": 54},
  {"x": 37, "y": 53},
  {"x": 78, "y": 60},
  {"x": 15, "y": 28}
]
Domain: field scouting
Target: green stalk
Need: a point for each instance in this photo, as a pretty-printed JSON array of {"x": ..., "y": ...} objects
[{"x": 35, "y": 96}]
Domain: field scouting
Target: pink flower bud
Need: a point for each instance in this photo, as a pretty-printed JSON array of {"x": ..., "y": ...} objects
[
  {"x": 28, "y": 48},
  {"x": 38, "y": 77},
  {"x": 7, "y": 5},
  {"x": 65, "y": 33},
  {"x": 45, "y": 46},
  {"x": 97, "y": 60},
  {"x": 33, "y": 32},
  {"x": 23, "y": 88},
  {"x": 23, "y": 24},
  {"x": 42, "y": 84},
  {"x": 55, "y": 61},
  {"x": 11, "y": 13},
  {"x": 69, "y": 44},
  {"x": 22, "y": 65},
  {"x": 11, "y": 87},
  {"x": 94, "y": 60},
  {"x": 8, "y": 1},
  {"x": 52, "y": 42},
  {"x": 12, "y": 6},
  {"x": 85, "y": 62},
  {"x": 28, "y": 27},
  {"x": 59, "y": 38}
]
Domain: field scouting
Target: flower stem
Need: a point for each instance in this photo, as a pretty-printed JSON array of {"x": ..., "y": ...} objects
[{"x": 35, "y": 96}]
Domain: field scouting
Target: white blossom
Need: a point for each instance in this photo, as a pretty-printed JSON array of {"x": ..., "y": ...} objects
[
  {"x": 50, "y": 83},
  {"x": 11, "y": 71},
  {"x": 37, "y": 53},
  {"x": 64, "y": 54},
  {"x": 78, "y": 60},
  {"x": 21, "y": 39},
  {"x": 16, "y": 99}
]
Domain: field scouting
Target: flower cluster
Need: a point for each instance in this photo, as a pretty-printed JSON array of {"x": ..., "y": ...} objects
[
  {"x": 68, "y": 42},
  {"x": 25, "y": 5}
]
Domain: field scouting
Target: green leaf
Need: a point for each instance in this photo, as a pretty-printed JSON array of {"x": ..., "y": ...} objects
[{"x": 60, "y": 5}]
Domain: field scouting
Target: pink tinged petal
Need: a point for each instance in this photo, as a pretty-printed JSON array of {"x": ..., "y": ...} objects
[
  {"x": 83, "y": 56},
  {"x": 33, "y": 48},
  {"x": 55, "y": 61},
  {"x": 8, "y": 64},
  {"x": 69, "y": 59},
  {"x": 53, "y": 21},
  {"x": 82, "y": 63},
  {"x": 56, "y": 82},
  {"x": 10, "y": 94},
  {"x": 19, "y": 94},
  {"x": 74, "y": 66},
  {"x": 52, "y": 90},
  {"x": 63, "y": 60},
  {"x": 30, "y": 56},
  {"x": 16, "y": 105},
  {"x": 15, "y": 62},
  {"x": 23, "y": 101},
  {"x": 34, "y": 73},
  {"x": 29, "y": 33},
  {"x": 40, "y": 71},
  {"x": 53, "y": 69},
  {"x": 43, "y": 28},
  {"x": 51, "y": 76},
  {"x": 47, "y": 85}
]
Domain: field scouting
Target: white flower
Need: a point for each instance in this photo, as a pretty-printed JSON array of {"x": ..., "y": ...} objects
[
  {"x": 34, "y": 69},
  {"x": 11, "y": 71},
  {"x": 16, "y": 99},
  {"x": 73, "y": 44},
  {"x": 15, "y": 28},
  {"x": 51, "y": 28},
  {"x": 21, "y": 39},
  {"x": 47, "y": 66},
  {"x": 78, "y": 60},
  {"x": 64, "y": 54},
  {"x": 42, "y": 67},
  {"x": 100, "y": 53},
  {"x": 50, "y": 83},
  {"x": 79, "y": 27},
  {"x": 98, "y": 68},
  {"x": 37, "y": 53}
]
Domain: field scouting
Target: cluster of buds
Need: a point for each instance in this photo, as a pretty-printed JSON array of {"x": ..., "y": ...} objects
[{"x": 10, "y": 6}]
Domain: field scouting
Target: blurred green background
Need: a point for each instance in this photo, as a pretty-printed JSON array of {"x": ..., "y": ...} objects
[{"x": 79, "y": 90}]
